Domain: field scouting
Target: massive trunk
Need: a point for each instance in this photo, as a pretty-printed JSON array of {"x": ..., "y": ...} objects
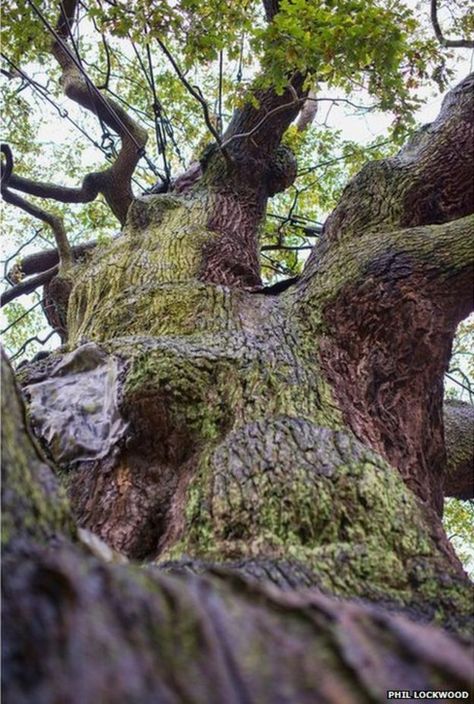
[{"x": 226, "y": 434}]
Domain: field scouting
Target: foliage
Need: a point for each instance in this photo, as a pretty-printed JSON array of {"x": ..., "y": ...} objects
[
  {"x": 17, "y": 333},
  {"x": 379, "y": 52},
  {"x": 461, "y": 366},
  {"x": 459, "y": 526}
]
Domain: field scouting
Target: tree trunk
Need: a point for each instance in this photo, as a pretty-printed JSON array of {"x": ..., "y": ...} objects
[{"x": 252, "y": 445}]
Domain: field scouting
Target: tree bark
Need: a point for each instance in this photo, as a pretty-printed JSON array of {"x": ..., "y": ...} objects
[
  {"x": 80, "y": 629},
  {"x": 459, "y": 437},
  {"x": 252, "y": 445}
]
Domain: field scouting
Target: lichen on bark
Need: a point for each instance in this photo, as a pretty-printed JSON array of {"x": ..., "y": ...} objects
[
  {"x": 33, "y": 504},
  {"x": 294, "y": 438}
]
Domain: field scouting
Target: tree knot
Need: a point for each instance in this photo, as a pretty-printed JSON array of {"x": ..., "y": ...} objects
[{"x": 281, "y": 171}]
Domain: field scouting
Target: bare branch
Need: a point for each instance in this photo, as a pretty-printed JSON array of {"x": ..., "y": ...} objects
[
  {"x": 114, "y": 182},
  {"x": 41, "y": 261},
  {"x": 343, "y": 157},
  {"x": 21, "y": 317},
  {"x": 34, "y": 338},
  {"x": 448, "y": 43},
  {"x": 28, "y": 286},
  {"x": 288, "y": 248},
  {"x": 55, "y": 222},
  {"x": 91, "y": 187},
  {"x": 7, "y": 170},
  {"x": 45, "y": 264},
  {"x": 308, "y": 112},
  {"x": 193, "y": 90}
]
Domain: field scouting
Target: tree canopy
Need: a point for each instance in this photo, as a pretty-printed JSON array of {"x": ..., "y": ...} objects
[{"x": 182, "y": 68}]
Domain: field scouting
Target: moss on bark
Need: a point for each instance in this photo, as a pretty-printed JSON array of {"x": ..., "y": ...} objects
[{"x": 33, "y": 504}]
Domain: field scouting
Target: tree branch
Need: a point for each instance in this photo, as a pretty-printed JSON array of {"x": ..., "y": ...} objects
[
  {"x": 41, "y": 261},
  {"x": 192, "y": 90},
  {"x": 44, "y": 263},
  {"x": 28, "y": 286},
  {"x": 444, "y": 252},
  {"x": 256, "y": 132},
  {"x": 114, "y": 182},
  {"x": 448, "y": 43},
  {"x": 389, "y": 303},
  {"x": 294, "y": 104},
  {"x": 459, "y": 439},
  {"x": 428, "y": 182},
  {"x": 256, "y": 129},
  {"x": 91, "y": 187},
  {"x": 55, "y": 222}
]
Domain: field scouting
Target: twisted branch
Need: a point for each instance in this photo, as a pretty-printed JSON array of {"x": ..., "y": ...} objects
[
  {"x": 56, "y": 223},
  {"x": 114, "y": 183}
]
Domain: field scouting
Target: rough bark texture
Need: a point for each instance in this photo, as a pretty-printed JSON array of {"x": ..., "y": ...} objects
[
  {"x": 459, "y": 436},
  {"x": 80, "y": 630},
  {"x": 388, "y": 318},
  {"x": 293, "y": 439}
]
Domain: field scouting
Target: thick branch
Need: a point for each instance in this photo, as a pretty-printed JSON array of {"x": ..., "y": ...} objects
[
  {"x": 256, "y": 132},
  {"x": 45, "y": 264},
  {"x": 115, "y": 182},
  {"x": 41, "y": 261},
  {"x": 444, "y": 252},
  {"x": 389, "y": 306},
  {"x": 256, "y": 129},
  {"x": 429, "y": 181},
  {"x": 391, "y": 298},
  {"x": 453, "y": 43},
  {"x": 114, "y": 634},
  {"x": 459, "y": 439},
  {"x": 28, "y": 286},
  {"x": 89, "y": 190}
]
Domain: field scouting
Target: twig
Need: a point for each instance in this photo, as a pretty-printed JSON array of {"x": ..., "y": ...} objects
[
  {"x": 35, "y": 338},
  {"x": 194, "y": 91},
  {"x": 20, "y": 317}
]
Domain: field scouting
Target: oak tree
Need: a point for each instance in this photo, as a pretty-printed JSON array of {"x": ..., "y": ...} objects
[{"x": 221, "y": 488}]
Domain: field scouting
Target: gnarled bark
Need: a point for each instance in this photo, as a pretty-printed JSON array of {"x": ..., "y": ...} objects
[
  {"x": 239, "y": 409},
  {"x": 82, "y": 630},
  {"x": 386, "y": 301},
  {"x": 252, "y": 445}
]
